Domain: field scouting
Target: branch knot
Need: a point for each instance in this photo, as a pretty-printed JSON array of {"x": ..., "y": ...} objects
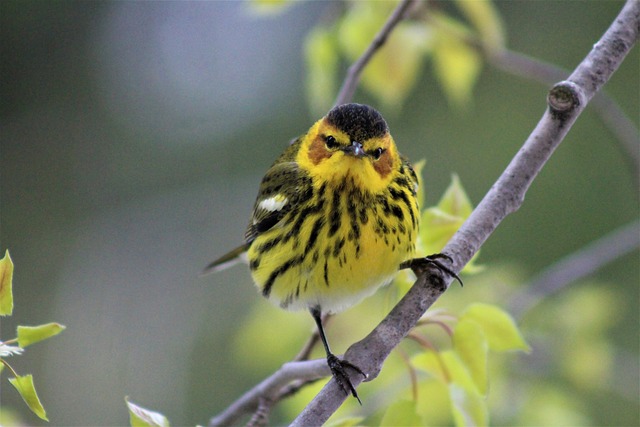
[{"x": 564, "y": 98}]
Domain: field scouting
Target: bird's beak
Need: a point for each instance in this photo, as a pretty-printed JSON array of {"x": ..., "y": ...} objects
[{"x": 355, "y": 149}]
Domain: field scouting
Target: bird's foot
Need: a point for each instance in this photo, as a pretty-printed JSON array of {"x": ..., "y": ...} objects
[{"x": 339, "y": 372}]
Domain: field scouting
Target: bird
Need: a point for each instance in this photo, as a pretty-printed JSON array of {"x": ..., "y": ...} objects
[{"x": 335, "y": 217}]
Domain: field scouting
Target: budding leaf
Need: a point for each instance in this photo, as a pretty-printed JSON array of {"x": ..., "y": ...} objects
[
  {"x": 24, "y": 385},
  {"x": 6, "y": 285}
]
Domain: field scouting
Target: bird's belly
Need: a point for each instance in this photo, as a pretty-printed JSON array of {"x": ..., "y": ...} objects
[{"x": 337, "y": 272}]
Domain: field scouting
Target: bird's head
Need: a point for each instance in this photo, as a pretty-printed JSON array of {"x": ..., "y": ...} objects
[{"x": 351, "y": 141}]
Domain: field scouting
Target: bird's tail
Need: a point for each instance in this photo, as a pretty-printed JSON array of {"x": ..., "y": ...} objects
[{"x": 227, "y": 260}]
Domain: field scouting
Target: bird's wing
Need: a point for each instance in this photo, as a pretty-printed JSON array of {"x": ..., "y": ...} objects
[{"x": 279, "y": 192}]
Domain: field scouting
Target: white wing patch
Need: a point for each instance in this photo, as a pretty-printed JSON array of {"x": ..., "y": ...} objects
[{"x": 273, "y": 204}]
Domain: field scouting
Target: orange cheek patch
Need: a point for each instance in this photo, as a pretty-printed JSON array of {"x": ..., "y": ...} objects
[
  {"x": 317, "y": 151},
  {"x": 384, "y": 165}
]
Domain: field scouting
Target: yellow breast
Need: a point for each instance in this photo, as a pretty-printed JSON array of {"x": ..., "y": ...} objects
[{"x": 338, "y": 248}]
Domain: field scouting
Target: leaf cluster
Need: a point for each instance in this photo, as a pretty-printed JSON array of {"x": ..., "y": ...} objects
[
  {"x": 447, "y": 39},
  {"x": 26, "y": 336}
]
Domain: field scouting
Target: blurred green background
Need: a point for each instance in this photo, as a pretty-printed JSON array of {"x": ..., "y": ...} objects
[{"x": 134, "y": 136}]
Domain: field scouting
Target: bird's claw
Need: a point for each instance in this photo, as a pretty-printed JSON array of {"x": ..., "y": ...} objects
[
  {"x": 337, "y": 367},
  {"x": 421, "y": 263}
]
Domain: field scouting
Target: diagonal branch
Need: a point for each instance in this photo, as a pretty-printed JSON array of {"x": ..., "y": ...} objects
[
  {"x": 566, "y": 101},
  {"x": 618, "y": 123}
]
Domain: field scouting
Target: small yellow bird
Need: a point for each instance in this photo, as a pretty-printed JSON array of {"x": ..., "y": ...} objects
[{"x": 335, "y": 216}]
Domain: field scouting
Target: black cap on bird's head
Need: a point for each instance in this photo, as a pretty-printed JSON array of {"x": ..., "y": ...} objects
[{"x": 359, "y": 121}]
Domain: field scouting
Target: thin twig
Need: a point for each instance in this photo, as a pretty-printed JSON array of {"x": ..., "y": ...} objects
[
  {"x": 580, "y": 264},
  {"x": 261, "y": 415},
  {"x": 566, "y": 101},
  {"x": 353, "y": 74}
]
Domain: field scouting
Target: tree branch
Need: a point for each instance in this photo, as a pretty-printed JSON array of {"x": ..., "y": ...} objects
[
  {"x": 353, "y": 74},
  {"x": 611, "y": 114},
  {"x": 566, "y": 101},
  {"x": 270, "y": 389}
]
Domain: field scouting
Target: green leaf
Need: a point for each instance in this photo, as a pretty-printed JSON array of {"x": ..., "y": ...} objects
[
  {"x": 141, "y": 417},
  {"x": 28, "y": 335},
  {"x": 6, "y": 285},
  {"x": 470, "y": 343},
  {"x": 486, "y": 19},
  {"x": 498, "y": 326},
  {"x": 321, "y": 58},
  {"x": 469, "y": 408},
  {"x": 401, "y": 413},
  {"x": 24, "y": 385}
]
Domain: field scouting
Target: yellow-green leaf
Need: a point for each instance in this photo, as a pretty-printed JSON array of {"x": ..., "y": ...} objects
[
  {"x": 321, "y": 58},
  {"x": 486, "y": 19},
  {"x": 470, "y": 344},
  {"x": 440, "y": 223},
  {"x": 401, "y": 413},
  {"x": 469, "y": 408},
  {"x": 28, "y": 335},
  {"x": 24, "y": 385},
  {"x": 431, "y": 363},
  {"x": 394, "y": 68},
  {"x": 345, "y": 422},
  {"x": 268, "y": 7},
  {"x": 433, "y": 404},
  {"x": 6, "y": 285},
  {"x": 457, "y": 371},
  {"x": 500, "y": 329},
  {"x": 141, "y": 417},
  {"x": 456, "y": 64},
  {"x": 455, "y": 201}
]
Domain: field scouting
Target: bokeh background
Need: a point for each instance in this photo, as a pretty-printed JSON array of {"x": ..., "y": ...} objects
[{"x": 133, "y": 138}]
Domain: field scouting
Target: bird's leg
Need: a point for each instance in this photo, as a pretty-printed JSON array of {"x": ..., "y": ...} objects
[
  {"x": 420, "y": 263},
  {"x": 336, "y": 365}
]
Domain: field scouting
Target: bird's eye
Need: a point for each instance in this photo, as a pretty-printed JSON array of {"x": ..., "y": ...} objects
[
  {"x": 331, "y": 142},
  {"x": 377, "y": 153}
]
